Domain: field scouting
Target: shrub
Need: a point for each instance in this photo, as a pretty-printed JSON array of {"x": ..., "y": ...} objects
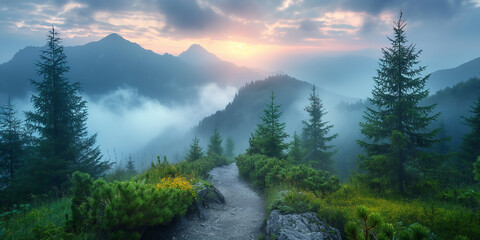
[
  {"x": 50, "y": 231},
  {"x": 470, "y": 199},
  {"x": 124, "y": 209},
  {"x": 246, "y": 164},
  {"x": 193, "y": 169},
  {"x": 218, "y": 160},
  {"x": 307, "y": 178},
  {"x": 445, "y": 220},
  {"x": 365, "y": 225},
  {"x": 81, "y": 188},
  {"x": 368, "y": 225},
  {"x": 301, "y": 202},
  {"x": 265, "y": 172}
]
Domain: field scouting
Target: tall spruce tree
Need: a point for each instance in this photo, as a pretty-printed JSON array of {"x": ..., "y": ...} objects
[
  {"x": 215, "y": 145},
  {"x": 396, "y": 126},
  {"x": 269, "y": 136},
  {"x": 11, "y": 144},
  {"x": 229, "y": 147},
  {"x": 59, "y": 119},
  {"x": 315, "y": 134},
  {"x": 471, "y": 142},
  {"x": 196, "y": 151}
]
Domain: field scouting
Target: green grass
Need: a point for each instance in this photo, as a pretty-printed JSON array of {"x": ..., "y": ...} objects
[
  {"x": 446, "y": 220},
  {"x": 20, "y": 223}
]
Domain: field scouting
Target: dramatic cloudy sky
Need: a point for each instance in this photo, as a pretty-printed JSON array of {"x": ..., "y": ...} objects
[{"x": 250, "y": 32}]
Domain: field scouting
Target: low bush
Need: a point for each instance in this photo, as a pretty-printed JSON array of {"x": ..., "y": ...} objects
[
  {"x": 123, "y": 210},
  {"x": 446, "y": 220},
  {"x": 367, "y": 225},
  {"x": 307, "y": 178},
  {"x": 50, "y": 231},
  {"x": 264, "y": 172},
  {"x": 197, "y": 169},
  {"x": 246, "y": 164},
  {"x": 298, "y": 202}
]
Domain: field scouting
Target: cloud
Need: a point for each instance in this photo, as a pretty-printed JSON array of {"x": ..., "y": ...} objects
[
  {"x": 188, "y": 15},
  {"x": 424, "y": 9},
  {"x": 289, "y": 23},
  {"x": 310, "y": 26},
  {"x": 246, "y": 9},
  {"x": 126, "y": 121}
]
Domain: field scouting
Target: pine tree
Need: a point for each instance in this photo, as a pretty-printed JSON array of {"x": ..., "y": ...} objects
[
  {"x": 196, "y": 152},
  {"x": 315, "y": 134},
  {"x": 229, "y": 148},
  {"x": 130, "y": 168},
  {"x": 395, "y": 127},
  {"x": 471, "y": 141},
  {"x": 215, "y": 146},
  {"x": 11, "y": 143},
  {"x": 59, "y": 119},
  {"x": 270, "y": 135},
  {"x": 296, "y": 154}
]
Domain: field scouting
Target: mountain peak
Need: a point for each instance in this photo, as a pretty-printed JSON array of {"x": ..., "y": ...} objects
[
  {"x": 113, "y": 38},
  {"x": 115, "y": 41},
  {"x": 198, "y": 55},
  {"x": 196, "y": 48}
]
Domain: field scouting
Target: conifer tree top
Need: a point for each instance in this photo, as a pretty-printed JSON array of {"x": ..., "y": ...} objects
[
  {"x": 215, "y": 145},
  {"x": 269, "y": 136}
]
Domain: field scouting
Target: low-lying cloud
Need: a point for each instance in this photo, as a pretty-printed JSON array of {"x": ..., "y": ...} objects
[{"x": 126, "y": 121}]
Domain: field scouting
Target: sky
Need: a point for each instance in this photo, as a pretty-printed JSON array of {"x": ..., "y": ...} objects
[{"x": 251, "y": 33}]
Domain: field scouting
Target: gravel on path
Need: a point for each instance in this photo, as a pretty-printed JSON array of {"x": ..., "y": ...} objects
[{"x": 241, "y": 217}]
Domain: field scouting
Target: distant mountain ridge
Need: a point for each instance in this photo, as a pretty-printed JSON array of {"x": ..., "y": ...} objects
[
  {"x": 210, "y": 65},
  {"x": 449, "y": 77},
  {"x": 114, "y": 62}
]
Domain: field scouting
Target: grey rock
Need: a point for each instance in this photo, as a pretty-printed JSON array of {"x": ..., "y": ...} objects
[
  {"x": 299, "y": 227},
  {"x": 208, "y": 196}
]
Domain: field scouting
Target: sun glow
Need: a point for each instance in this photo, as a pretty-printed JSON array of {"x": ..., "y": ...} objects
[{"x": 240, "y": 53}]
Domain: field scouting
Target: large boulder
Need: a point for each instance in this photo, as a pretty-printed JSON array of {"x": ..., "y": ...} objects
[
  {"x": 208, "y": 196},
  {"x": 299, "y": 227}
]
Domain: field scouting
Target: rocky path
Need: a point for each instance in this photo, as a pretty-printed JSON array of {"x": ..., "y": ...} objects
[{"x": 239, "y": 218}]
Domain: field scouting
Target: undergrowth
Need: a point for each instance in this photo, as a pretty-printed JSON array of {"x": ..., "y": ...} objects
[
  {"x": 112, "y": 209},
  {"x": 445, "y": 220}
]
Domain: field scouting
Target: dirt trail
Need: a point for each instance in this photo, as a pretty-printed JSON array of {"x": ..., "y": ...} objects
[{"x": 240, "y": 218}]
